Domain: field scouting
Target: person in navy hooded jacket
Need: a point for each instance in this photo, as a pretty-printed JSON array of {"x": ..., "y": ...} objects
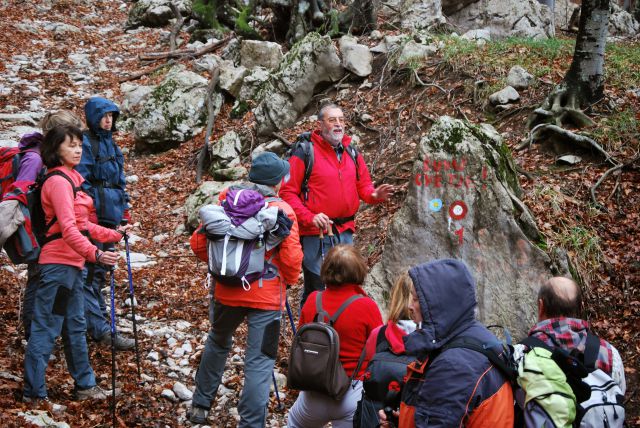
[{"x": 102, "y": 167}]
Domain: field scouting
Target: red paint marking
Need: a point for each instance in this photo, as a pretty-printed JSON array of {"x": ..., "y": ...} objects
[
  {"x": 484, "y": 176},
  {"x": 460, "y": 232}
]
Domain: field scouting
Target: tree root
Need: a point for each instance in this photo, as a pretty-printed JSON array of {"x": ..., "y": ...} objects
[
  {"x": 546, "y": 131},
  {"x": 616, "y": 167},
  {"x": 152, "y": 56},
  {"x": 204, "y": 152}
]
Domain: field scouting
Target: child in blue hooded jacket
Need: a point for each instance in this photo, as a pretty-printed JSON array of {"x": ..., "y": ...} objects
[{"x": 102, "y": 167}]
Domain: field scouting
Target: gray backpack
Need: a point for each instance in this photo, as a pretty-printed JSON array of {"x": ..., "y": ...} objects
[
  {"x": 314, "y": 362},
  {"x": 239, "y": 233}
]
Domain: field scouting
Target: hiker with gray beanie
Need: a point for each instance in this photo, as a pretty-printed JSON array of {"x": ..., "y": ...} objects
[{"x": 260, "y": 301}]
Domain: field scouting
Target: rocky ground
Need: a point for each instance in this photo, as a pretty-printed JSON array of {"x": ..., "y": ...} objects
[{"x": 55, "y": 54}]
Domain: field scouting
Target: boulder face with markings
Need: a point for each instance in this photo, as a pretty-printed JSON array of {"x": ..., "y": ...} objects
[{"x": 463, "y": 203}]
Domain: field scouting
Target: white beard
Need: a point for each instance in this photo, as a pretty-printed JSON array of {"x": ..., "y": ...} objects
[{"x": 332, "y": 138}]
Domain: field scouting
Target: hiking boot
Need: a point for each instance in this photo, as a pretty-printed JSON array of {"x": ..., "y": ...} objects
[
  {"x": 198, "y": 415},
  {"x": 122, "y": 343},
  {"x": 44, "y": 402},
  {"x": 93, "y": 393}
]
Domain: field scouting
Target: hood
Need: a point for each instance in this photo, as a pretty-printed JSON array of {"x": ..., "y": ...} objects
[
  {"x": 30, "y": 141},
  {"x": 446, "y": 292},
  {"x": 95, "y": 108}
]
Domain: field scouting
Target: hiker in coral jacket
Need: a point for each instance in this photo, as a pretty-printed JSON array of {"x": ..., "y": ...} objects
[
  {"x": 261, "y": 304},
  {"x": 336, "y": 185},
  {"x": 59, "y": 302},
  {"x": 454, "y": 387}
]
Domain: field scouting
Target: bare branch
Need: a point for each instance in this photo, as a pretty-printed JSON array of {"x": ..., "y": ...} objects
[
  {"x": 177, "y": 27},
  {"x": 204, "y": 152},
  {"x": 152, "y": 56}
]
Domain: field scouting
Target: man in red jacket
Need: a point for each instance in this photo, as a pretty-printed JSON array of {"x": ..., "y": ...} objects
[{"x": 336, "y": 185}]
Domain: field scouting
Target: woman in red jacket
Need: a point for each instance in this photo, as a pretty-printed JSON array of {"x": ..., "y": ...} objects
[
  {"x": 343, "y": 270},
  {"x": 59, "y": 302}
]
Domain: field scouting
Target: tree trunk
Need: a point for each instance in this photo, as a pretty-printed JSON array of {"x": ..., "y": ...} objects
[
  {"x": 585, "y": 78},
  {"x": 583, "y": 84}
]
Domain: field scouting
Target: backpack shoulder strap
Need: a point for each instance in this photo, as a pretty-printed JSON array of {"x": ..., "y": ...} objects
[
  {"x": 304, "y": 140},
  {"x": 381, "y": 340},
  {"x": 485, "y": 349},
  {"x": 342, "y": 307},
  {"x": 94, "y": 141},
  {"x": 591, "y": 351},
  {"x": 353, "y": 154},
  {"x": 65, "y": 176},
  {"x": 534, "y": 342},
  {"x": 272, "y": 199},
  {"x": 321, "y": 314}
]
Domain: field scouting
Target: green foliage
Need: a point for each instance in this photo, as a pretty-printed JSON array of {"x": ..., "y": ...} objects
[
  {"x": 617, "y": 129},
  {"x": 207, "y": 11},
  {"x": 242, "y": 24},
  {"x": 621, "y": 64}
]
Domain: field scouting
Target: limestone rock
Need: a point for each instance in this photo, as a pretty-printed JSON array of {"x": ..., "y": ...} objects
[
  {"x": 155, "y": 13},
  {"x": 174, "y": 111},
  {"x": 182, "y": 391},
  {"x": 621, "y": 22},
  {"x": 252, "y": 82},
  {"x": 134, "y": 97},
  {"x": 355, "y": 57},
  {"x": 207, "y": 193},
  {"x": 415, "y": 52},
  {"x": 460, "y": 204},
  {"x": 504, "y": 96},
  {"x": 254, "y": 53},
  {"x": 225, "y": 151},
  {"x": 504, "y": 18},
  {"x": 231, "y": 77},
  {"x": 288, "y": 91},
  {"x": 519, "y": 78},
  {"x": 419, "y": 14}
]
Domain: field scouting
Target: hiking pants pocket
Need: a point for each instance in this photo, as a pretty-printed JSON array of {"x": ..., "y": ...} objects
[{"x": 270, "y": 339}]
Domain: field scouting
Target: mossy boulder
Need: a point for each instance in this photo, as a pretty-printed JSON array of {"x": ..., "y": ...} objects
[
  {"x": 462, "y": 203},
  {"x": 289, "y": 89},
  {"x": 155, "y": 13},
  {"x": 174, "y": 111}
]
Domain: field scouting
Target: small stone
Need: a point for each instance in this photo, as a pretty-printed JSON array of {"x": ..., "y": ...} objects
[
  {"x": 153, "y": 356},
  {"x": 182, "y": 391},
  {"x": 167, "y": 393},
  {"x": 132, "y": 179},
  {"x": 172, "y": 342}
]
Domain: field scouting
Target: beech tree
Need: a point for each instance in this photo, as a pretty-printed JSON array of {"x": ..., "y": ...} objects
[{"x": 583, "y": 84}]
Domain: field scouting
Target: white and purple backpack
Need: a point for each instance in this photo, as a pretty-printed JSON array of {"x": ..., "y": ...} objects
[{"x": 239, "y": 233}]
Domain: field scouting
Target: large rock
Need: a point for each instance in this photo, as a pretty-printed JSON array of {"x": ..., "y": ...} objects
[
  {"x": 174, "y": 111},
  {"x": 519, "y": 78},
  {"x": 133, "y": 97},
  {"x": 461, "y": 204},
  {"x": 420, "y": 14},
  {"x": 504, "y": 18},
  {"x": 252, "y": 82},
  {"x": 255, "y": 53},
  {"x": 312, "y": 60},
  {"x": 355, "y": 57},
  {"x": 621, "y": 22},
  {"x": 207, "y": 193},
  {"x": 225, "y": 151},
  {"x": 155, "y": 13},
  {"x": 563, "y": 12}
]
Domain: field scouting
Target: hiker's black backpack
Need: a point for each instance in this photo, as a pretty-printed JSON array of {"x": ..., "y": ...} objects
[
  {"x": 24, "y": 245},
  {"x": 304, "y": 143},
  {"x": 382, "y": 380},
  {"x": 314, "y": 362}
]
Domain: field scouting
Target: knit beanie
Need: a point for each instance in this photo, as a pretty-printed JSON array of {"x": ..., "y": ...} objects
[{"x": 267, "y": 168}]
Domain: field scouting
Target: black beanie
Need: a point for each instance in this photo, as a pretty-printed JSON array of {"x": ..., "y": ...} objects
[{"x": 267, "y": 168}]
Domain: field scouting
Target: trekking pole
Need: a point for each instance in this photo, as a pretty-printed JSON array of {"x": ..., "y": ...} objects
[
  {"x": 275, "y": 387},
  {"x": 133, "y": 304},
  {"x": 331, "y": 236},
  {"x": 113, "y": 348},
  {"x": 321, "y": 237},
  {"x": 290, "y": 314}
]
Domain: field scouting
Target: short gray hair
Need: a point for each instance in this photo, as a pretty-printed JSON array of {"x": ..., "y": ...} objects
[{"x": 326, "y": 107}]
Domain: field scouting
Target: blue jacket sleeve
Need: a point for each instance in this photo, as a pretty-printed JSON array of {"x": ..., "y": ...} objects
[{"x": 86, "y": 166}]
